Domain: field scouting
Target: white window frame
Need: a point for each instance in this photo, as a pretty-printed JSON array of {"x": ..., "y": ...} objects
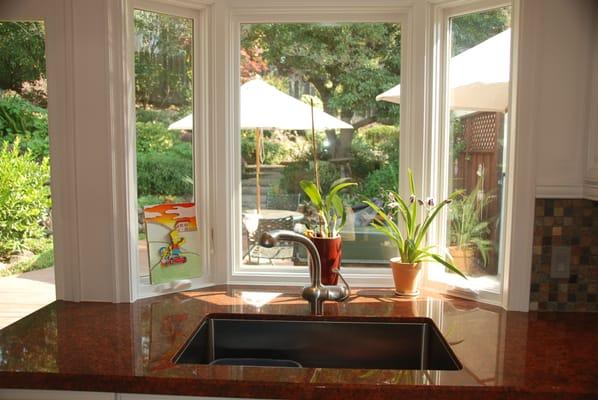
[
  {"x": 199, "y": 13},
  {"x": 514, "y": 263},
  {"x": 61, "y": 137},
  {"x": 383, "y": 12},
  {"x": 419, "y": 117}
]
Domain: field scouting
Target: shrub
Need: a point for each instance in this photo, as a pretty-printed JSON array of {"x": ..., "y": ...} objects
[
  {"x": 274, "y": 152},
  {"x": 379, "y": 181},
  {"x": 164, "y": 116},
  {"x": 20, "y": 118},
  {"x": 24, "y": 198},
  {"x": 373, "y": 148},
  {"x": 154, "y": 136},
  {"x": 163, "y": 173},
  {"x": 295, "y": 172}
]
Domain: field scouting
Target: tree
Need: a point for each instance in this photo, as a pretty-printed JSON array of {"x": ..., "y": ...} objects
[
  {"x": 22, "y": 53},
  {"x": 470, "y": 30},
  {"x": 348, "y": 64},
  {"x": 163, "y": 59}
]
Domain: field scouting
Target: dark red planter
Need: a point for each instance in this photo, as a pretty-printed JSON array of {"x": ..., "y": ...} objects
[{"x": 331, "y": 252}]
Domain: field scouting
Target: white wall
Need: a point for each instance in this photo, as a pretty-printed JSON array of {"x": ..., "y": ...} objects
[
  {"x": 562, "y": 98},
  {"x": 591, "y": 176}
]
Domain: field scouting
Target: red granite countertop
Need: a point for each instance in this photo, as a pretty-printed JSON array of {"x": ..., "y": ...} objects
[{"x": 129, "y": 347}]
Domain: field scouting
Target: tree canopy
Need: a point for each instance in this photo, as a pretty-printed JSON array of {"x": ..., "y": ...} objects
[
  {"x": 22, "y": 53},
  {"x": 347, "y": 63}
]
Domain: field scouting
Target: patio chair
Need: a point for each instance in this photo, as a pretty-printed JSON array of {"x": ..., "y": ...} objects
[{"x": 283, "y": 250}]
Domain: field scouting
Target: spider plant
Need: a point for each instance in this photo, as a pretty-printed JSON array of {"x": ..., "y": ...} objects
[
  {"x": 408, "y": 234},
  {"x": 467, "y": 226}
]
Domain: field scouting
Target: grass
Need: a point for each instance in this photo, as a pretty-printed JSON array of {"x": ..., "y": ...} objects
[{"x": 44, "y": 259}]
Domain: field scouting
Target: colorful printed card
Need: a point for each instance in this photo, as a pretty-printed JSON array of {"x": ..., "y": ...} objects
[{"x": 172, "y": 242}]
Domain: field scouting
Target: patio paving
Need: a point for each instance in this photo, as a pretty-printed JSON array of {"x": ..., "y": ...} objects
[{"x": 20, "y": 295}]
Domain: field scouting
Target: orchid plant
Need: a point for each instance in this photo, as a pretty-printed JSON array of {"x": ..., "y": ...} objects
[
  {"x": 330, "y": 207},
  {"x": 410, "y": 237}
]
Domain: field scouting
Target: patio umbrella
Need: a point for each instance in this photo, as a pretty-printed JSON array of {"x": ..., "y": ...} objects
[
  {"x": 478, "y": 77},
  {"x": 265, "y": 107}
]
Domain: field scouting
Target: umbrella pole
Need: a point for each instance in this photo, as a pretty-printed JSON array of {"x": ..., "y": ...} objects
[{"x": 258, "y": 161}]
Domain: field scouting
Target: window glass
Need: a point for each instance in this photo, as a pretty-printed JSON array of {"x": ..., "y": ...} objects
[
  {"x": 168, "y": 233},
  {"x": 478, "y": 98},
  {"x": 341, "y": 68}
]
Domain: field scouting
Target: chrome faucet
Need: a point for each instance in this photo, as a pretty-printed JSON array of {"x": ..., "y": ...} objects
[{"x": 316, "y": 293}]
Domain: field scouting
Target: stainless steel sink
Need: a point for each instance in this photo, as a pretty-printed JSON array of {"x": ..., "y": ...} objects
[{"x": 371, "y": 344}]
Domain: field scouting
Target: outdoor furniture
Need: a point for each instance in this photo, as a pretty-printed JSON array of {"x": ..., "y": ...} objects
[{"x": 283, "y": 250}]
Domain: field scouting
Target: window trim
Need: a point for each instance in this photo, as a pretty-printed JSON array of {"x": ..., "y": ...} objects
[
  {"x": 517, "y": 242},
  {"x": 201, "y": 144},
  {"x": 237, "y": 273}
]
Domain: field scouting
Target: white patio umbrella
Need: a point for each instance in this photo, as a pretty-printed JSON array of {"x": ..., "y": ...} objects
[
  {"x": 478, "y": 77},
  {"x": 265, "y": 107}
]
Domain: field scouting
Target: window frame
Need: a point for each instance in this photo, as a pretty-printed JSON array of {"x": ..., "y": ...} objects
[
  {"x": 514, "y": 240},
  {"x": 201, "y": 142},
  {"x": 419, "y": 86},
  {"x": 242, "y": 274}
]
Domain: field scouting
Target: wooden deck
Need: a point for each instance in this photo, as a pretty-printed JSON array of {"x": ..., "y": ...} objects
[{"x": 20, "y": 295}]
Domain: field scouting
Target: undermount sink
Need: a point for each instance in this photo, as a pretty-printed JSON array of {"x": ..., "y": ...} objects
[{"x": 371, "y": 344}]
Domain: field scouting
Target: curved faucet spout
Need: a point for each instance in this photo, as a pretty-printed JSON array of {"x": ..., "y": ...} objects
[
  {"x": 316, "y": 293},
  {"x": 269, "y": 239}
]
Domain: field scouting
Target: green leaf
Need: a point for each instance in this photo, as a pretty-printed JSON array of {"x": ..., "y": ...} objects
[
  {"x": 313, "y": 193},
  {"x": 447, "y": 264}
]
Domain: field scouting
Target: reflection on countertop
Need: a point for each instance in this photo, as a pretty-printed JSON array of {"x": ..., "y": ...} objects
[{"x": 129, "y": 348}]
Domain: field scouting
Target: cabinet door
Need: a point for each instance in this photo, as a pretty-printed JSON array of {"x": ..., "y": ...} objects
[{"x": 26, "y": 394}]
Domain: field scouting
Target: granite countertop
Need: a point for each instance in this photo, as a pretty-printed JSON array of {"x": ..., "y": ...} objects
[{"x": 129, "y": 348}]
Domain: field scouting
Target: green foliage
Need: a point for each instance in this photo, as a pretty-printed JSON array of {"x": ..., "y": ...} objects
[
  {"x": 19, "y": 118},
  {"x": 164, "y": 59},
  {"x": 274, "y": 152},
  {"x": 379, "y": 181},
  {"x": 330, "y": 207},
  {"x": 470, "y": 30},
  {"x": 24, "y": 197},
  {"x": 44, "y": 258},
  {"x": 410, "y": 236},
  {"x": 295, "y": 172},
  {"x": 163, "y": 173},
  {"x": 154, "y": 136},
  {"x": 467, "y": 227},
  {"x": 458, "y": 144},
  {"x": 165, "y": 116},
  {"x": 22, "y": 53},
  {"x": 347, "y": 63}
]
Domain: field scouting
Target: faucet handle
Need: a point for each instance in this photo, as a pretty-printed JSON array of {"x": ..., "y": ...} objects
[{"x": 345, "y": 283}]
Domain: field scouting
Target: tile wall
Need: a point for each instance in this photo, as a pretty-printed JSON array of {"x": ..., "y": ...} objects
[{"x": 574, "y": 225}]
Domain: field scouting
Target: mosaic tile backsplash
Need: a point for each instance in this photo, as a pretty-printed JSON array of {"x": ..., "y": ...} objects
[{"x": 571, "y": 225}]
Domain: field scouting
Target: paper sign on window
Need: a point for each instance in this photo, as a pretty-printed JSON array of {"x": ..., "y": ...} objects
[{"x": 172, "y": 242}]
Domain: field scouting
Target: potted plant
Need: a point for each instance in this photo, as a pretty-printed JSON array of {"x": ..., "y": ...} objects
[
  {"x": 406, "y": 227},
  {"x": 468, "y": 231},
  {"x": 331, "y": 217}
]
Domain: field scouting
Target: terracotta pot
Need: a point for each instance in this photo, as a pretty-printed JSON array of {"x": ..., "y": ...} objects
[
  {"x": 406, "y": 277},
  {"x": 464, "y": 258},
  {"x": 330, "y": 251}
]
